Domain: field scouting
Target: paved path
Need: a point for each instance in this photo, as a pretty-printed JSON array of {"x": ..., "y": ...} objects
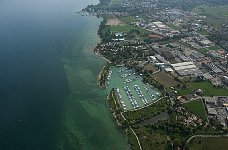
[
  {"x": 133, "y": 132},
  {"x": 129, "y": 125}
]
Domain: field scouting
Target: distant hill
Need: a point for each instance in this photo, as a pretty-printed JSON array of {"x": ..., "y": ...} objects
[
  {"x": 104, "y": 1},
  {"x": 217, "y": 1}
]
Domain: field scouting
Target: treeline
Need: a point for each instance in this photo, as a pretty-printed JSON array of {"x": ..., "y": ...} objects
[{"x": 104, "y": 31}]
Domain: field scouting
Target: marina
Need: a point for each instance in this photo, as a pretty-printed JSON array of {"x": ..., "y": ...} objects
[{"x": 131, "y": 92}]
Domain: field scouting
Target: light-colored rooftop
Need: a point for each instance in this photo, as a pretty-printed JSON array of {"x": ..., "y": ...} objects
[
  {"x": 185, "y": 67},
  {"x": 182, "y": 64},
  {"x": 212, "y": 111}
]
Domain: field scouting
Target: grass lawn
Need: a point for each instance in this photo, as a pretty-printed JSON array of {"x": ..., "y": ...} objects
[
  {"x": 203, "y": 50},
  {"x": 208, "y": 88},
  {"x": 165, "y": 79},
  {"x": 209, "y": 143},
  {"x": 214, "y": 48},
  {"x": 196, "y": 107},
  {"x": 122, "y": 28},
  {"x": 185, "y": 91}
]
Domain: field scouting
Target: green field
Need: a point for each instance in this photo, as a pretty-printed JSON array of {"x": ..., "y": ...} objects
[
  {"x": 208, "y": 88},
  {"x": 122, "y": 28},
  {"x": 216, "y": 15},
  {"x": 214, "y": 48},
  {"x": 217, "y": 143},
  {"x": 196, "y": 107}
]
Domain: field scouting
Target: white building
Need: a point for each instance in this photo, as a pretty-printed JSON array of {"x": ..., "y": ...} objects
[{"x": 186, "y": 68}]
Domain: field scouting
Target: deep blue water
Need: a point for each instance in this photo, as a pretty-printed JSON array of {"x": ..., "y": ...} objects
[{"x": 47, "y": 80}]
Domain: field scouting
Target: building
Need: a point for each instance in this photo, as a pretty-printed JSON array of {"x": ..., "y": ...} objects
[
  {"x": 186, "y": 68},
  {"x": 197, "y": 55},
  {"x": 214, "y": 54},
  {"x": 119, "y": 37},
  {"x": 183, "y": 58},
  {"x": 208, "y": 76},
  {"x": 206, "y": 42},
  {"x": 160, "y": 25},
  {"x": 152, "y": 59},
  {"x": 221, "y": 52},
  {"x": 212, "y": 67},
  {"x": 211, "y": 111},
  {"x": 161, "y": 59},
  {"x": 225, "y": 79}
]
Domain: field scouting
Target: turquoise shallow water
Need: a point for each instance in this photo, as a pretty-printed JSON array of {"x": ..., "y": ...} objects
[{"x": 48, "y": 96}]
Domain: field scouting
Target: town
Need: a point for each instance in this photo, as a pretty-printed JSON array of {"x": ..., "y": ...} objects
[{"x": 167, "y": 71}]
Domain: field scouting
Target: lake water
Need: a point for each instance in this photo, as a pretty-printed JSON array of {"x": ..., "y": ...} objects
[{"x": 48, "y": 94}]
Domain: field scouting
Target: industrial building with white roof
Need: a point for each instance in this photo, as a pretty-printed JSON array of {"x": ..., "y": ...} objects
[{"x": 186, "y": 68}]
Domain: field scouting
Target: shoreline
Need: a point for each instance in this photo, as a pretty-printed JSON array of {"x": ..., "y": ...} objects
[
  {"x": 116, "y": 114},
  {"x": 99, "y": 55},
  {"x": 99, "y": 77},
  {"x": 102, "y": 76},
  {"x": 120, "y": 120},
  {"x": 113, "y": 111}
]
